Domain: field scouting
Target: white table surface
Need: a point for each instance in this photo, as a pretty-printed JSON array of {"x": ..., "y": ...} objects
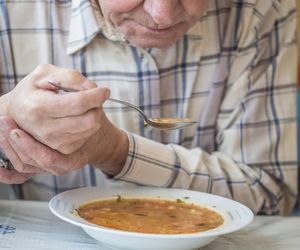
[{"x": 30, "y": 225}]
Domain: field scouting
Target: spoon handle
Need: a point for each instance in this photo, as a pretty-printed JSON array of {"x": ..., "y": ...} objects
[
  {"x": 67, "y": 89},
  {"x": 160, "y": 123}
]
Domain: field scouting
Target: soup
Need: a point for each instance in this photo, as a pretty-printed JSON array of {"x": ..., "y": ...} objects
[{"x": 154, "y": 216}]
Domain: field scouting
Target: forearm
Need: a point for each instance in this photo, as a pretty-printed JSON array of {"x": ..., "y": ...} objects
[
  {"x": 152, "y": 163},
  {"x": 116, "y": 159}
]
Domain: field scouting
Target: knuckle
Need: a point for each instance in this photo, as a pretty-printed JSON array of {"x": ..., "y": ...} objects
[
  {"x": 42, "y": 68},
  {"x": 103, "y": 93},
  {"x": 74, "y": 74}
]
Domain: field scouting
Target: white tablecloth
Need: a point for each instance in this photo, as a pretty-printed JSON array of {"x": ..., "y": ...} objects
[{"x": 28, "y": 225}]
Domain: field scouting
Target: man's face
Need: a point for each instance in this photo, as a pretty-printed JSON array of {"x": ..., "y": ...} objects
[{"x": 152, "y": 23}]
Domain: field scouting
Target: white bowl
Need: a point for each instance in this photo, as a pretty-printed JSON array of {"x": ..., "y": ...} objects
[{"x": 236, "y": 216}]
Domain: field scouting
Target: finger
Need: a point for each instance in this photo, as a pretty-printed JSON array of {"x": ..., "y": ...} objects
[
  {"x": 86, "y": 124},
  {"x": 63, "y": 135},
  {"x": 13, "y": 177},
  {"x": 67, "y": 77},
  {"x": 58, "y": 86},
  {"x": 6, "y": 125},
  {"x": 16, "y": 160},
  {"x": 47, "y": 159},
  {"x": 22, "y": 162},
  {"x": 73, "y": 103},
  {"x": 19, "y": 158},
  {"x": 69, "y": 148}
]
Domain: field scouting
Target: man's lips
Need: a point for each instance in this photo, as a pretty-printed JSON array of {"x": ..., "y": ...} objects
[
  {"x": 159, "y": 29},
  {"x": 156, "y": 30},
  {"x": 159, "y": 32},
  {"x": 132, "y": 27}
]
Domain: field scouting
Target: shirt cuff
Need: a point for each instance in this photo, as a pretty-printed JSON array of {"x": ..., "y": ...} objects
[{"x": 149, "y": 163}]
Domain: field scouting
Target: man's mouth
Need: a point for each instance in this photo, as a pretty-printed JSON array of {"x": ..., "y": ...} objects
[
  {"x": 149, "y": 30},
  {"x": 159, "y": 29}
]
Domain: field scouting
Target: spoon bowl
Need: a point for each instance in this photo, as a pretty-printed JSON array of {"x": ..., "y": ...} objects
[
  {"x": 170, "y": 123},
  {"x": 159, "y": 123}
]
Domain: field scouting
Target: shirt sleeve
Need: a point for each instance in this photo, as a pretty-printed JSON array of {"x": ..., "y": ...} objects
[{"x": 255, "y": 162}]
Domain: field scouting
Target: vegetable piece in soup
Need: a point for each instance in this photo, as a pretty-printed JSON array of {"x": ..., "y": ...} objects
[{"x": 154, "y": 216}]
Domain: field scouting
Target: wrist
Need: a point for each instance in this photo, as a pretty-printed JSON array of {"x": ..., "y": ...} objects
[
  {"x": 113, "y": 153},
  {"x": 118, "y": 156}
]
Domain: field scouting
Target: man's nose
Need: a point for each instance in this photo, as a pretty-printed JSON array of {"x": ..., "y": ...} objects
[{"x": 163, "y": 12}]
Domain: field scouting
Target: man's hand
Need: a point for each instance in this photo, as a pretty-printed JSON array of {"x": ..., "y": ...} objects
[
  {"x": 63, "y": 122},
  {"x": 26, "y": 170},
  {"x": 107, "y": 150},
  {"x": 60, "y": 132}
]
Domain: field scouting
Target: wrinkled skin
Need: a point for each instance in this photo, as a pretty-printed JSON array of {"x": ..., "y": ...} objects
[
  {"x": 42, "y": 130},
  {"x": 153, "y": 23}
]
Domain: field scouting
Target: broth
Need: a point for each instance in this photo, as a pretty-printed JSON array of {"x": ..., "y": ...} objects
[{"x": 154, "y": 216}]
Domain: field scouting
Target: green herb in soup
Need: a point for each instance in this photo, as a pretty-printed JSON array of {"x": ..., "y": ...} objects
[{"x": 155, "y": 216}]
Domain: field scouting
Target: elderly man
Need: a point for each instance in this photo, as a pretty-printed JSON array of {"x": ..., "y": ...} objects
[{"x": 228, "y": 64}]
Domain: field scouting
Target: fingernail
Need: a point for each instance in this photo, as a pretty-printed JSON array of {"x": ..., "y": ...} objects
[{"x": 15, "y": 136}]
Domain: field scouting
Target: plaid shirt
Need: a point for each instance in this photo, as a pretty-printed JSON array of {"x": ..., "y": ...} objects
[{"x": 234, "y": 72}]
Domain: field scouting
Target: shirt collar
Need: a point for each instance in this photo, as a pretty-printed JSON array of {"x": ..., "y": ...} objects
[{"x": 86, "y": 23}]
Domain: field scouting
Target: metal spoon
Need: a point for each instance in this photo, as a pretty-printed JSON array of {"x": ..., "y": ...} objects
[{"x": 160, "y": 123}]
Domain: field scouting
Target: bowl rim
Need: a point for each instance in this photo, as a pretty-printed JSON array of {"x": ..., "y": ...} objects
[{"x": 222, "y": 229}]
